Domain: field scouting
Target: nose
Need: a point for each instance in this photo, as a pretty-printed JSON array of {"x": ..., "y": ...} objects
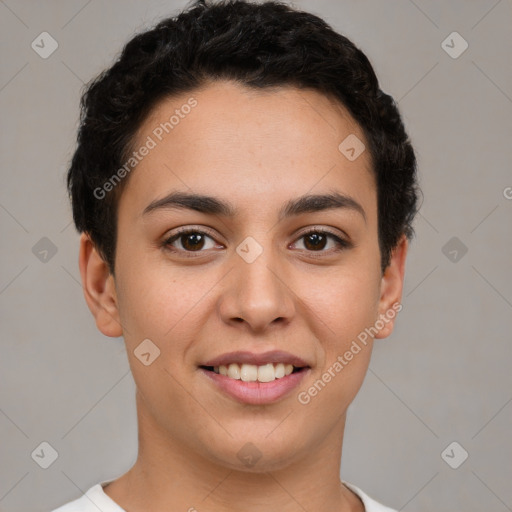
[{"x": 257, "y": 294}]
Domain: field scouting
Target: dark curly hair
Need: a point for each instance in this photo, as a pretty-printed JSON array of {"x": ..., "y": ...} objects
[{"x": 257, "y": 45}]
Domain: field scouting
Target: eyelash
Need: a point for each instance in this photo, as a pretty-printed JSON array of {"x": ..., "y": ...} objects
[{"x": 342, "y": 243}]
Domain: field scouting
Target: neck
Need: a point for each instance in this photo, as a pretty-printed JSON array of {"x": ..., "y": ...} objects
[{"x": 170, "y": 476}]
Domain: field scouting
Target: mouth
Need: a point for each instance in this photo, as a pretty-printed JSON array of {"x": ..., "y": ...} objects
[
  {"x": 268, "y": 372},
  {"x": 255, "y": 384},
  {"x": 255, "y": 378}
]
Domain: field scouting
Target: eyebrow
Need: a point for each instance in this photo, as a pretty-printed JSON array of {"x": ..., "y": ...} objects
[{"x": 214, "y": 206}]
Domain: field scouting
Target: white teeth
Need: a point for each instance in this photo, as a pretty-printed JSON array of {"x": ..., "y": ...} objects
[
  {"x": 266, "y": 373},
  {"x": 251, "y": 373},
  {"x": 233, "y": 371},
  {"x": 279, "y": 370}
]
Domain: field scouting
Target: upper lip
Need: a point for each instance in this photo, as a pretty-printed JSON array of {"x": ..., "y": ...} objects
[{"x": 273, "y": 356}]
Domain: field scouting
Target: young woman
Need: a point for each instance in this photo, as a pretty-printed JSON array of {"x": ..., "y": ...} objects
[{"x": 245, "y": 194}]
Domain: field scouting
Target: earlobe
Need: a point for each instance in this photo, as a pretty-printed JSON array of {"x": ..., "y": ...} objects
[
  {"x": 99, "y": 288},
  {"x": 391, "y": 288}
]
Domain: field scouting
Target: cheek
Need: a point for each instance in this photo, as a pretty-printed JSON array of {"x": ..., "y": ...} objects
[
  {"x": 161, "y": 311},
  {"x": 344, "y": 309},
  {"x": 345, "y": 306},
  {"x": 153, "y": 296},
  {"x": 170, "y": 307},
  {"x": 345, "y": 302},
  {"x": 157, "y": 308}
]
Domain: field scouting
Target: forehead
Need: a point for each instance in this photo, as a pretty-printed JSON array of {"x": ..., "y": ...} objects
[{"x": 245, "y": 144}]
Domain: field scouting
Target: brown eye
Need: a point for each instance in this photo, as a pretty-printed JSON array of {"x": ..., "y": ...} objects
[
  {"x": 191, "y": 240},
  {"x": 318, "y": 239},
  {"x": 315, "y": 241}
]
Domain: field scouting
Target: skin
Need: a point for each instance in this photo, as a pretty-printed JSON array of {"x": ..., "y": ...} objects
[{"x": 257, "y": 150}]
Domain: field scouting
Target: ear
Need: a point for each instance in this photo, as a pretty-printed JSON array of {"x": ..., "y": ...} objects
[
  {"x": 391, "y": 288},
  {"x": 99, "y": 288}
]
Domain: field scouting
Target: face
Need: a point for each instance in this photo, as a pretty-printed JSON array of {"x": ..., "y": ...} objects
[{"x": 255, "y": 271}]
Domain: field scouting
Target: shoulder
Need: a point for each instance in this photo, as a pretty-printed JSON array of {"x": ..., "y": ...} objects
[
  {"x": 92, "y": 501},
  {"x": 370, "y": 505}
]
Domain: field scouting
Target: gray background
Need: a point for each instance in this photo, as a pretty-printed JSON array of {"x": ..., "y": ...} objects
[{"x": 444, "y": 374}]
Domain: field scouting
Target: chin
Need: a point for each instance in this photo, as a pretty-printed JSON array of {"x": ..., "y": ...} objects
[{"x": 255, "y": 454}]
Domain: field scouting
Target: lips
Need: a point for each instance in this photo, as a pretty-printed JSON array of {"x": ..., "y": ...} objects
[
  {"x": 252, "y": 386},
  {"x": 245, "y": 357},
  {"x": 256, "y": 393}
]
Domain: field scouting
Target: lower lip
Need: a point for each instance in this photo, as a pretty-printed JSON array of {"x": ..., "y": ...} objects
[{"x": 257, "y": 393}]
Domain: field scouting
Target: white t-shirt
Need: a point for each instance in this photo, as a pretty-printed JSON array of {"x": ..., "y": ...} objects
[{"x": 95, "y": 499}]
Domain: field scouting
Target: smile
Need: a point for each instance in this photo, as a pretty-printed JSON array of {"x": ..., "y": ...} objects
[
  {"x": 252, "y": 373},
  {"x": 256, "y": 385}
]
